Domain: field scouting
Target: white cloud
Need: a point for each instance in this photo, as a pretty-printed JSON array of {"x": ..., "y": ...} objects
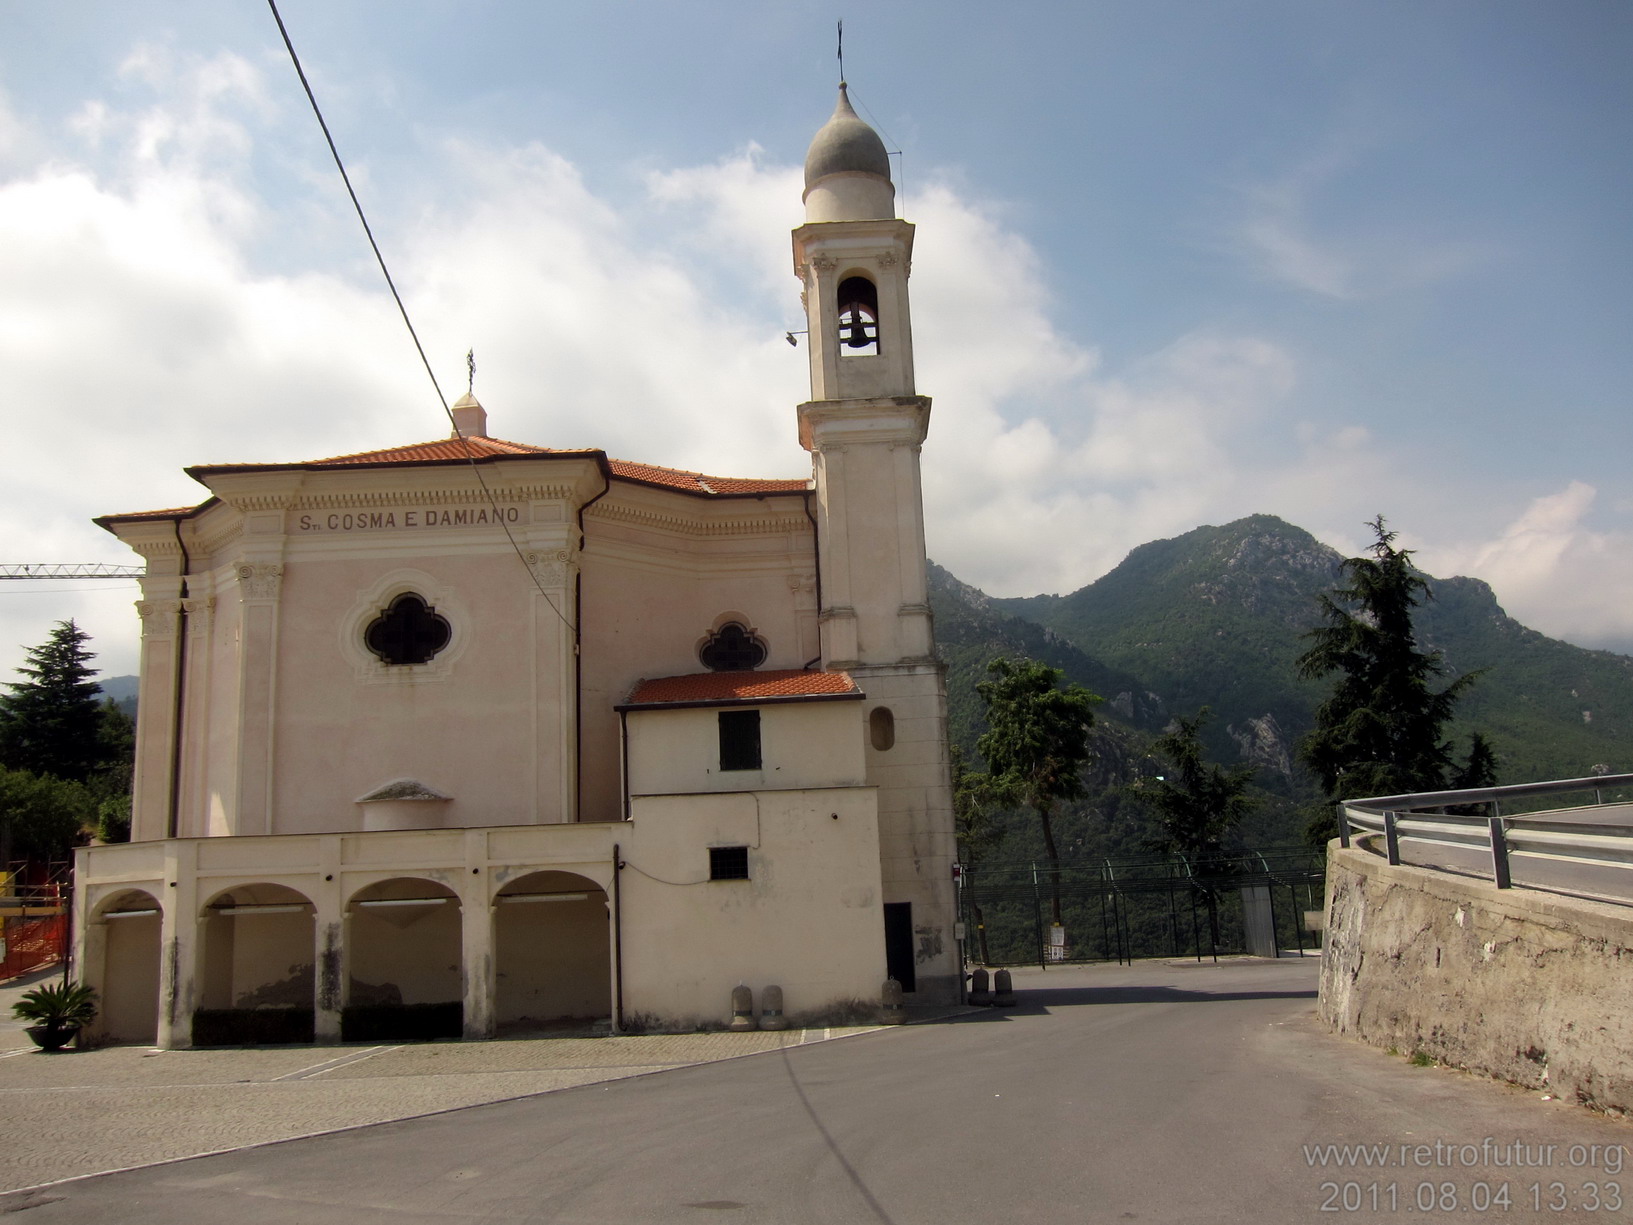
[
  {"x": 1286, "y": 227},
  {"x": 1554, "y": 572},
  {"x": 165, "y": 299}
]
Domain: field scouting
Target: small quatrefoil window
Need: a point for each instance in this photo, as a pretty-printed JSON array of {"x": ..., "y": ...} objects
[
  {"x": 409, "y": 631},
  {"x": 732, "y": 648}
]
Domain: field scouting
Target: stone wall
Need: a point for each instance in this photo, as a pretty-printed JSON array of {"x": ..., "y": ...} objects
[{"x": 1530, "y": 987}]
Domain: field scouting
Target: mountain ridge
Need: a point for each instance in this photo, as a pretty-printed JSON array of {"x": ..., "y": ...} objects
[{"x": 1217, "y": 617}]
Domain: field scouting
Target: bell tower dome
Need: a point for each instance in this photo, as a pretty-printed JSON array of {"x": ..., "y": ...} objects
[{"x": 854, "y": 255}]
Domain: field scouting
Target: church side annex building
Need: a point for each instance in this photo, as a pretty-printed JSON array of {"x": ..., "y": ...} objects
[{"x": 392, "y": 783}]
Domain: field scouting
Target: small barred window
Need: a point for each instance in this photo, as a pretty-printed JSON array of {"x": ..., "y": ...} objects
[{"x": 728, "y": 863}]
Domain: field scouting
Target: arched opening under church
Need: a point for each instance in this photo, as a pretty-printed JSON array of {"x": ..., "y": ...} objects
[
  {"x": 552, "y": 953},
  {"x": 256, "y": 967},
  {"x": 405, "y": 951},
  {"x": 122, "y": 950}
]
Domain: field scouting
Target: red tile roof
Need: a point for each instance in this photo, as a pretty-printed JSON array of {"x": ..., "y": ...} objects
[
  {"x": 438, "y": 449},
  {"x": 178, "y": 512},
  {"x": 455, "y": 450},
  {"x": 697, "y": 482},
  {"x": 733, "y": 688}
]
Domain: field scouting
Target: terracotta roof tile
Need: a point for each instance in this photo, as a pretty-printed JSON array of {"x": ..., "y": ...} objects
[
  {"x": 437, "y": 449},
  {"x": 175, "y": 512},
  {"x": 697, "y": 482},
  {"x": 720, "y": 688},
  {"x": 454, "y": 450}
]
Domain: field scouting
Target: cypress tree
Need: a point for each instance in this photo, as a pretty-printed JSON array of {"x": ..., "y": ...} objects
[{"x": 1382, "y": 729}]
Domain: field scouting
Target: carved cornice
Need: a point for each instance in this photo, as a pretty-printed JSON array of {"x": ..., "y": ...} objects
[
  {"x": 218, "y": 537},
  {"x": 463, "y": 496},
  {"x": 244, "y": 500},
  {"x": 755, "y": 525}
]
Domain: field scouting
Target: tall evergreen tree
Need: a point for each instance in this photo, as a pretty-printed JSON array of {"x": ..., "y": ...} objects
[
  {"x": 1037, "y": 743},
  {"x": 50, "y": 724},
  {"x": 1197, "y": 804},
  {"x": 1382, "y": 729}
]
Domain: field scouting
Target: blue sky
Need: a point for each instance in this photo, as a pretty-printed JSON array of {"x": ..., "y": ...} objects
[{"x": 1177, "y": 263}]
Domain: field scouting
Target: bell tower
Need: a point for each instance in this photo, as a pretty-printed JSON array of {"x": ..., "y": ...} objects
[
  {"x": 864, "y": 426},
  {"x": 864, "y": 423}
]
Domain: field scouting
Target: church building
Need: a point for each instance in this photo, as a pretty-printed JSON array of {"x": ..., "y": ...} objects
[{"x": 471, "y": 736}]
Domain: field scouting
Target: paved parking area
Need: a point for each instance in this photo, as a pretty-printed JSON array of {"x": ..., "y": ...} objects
[{"x": 86, "y": 1112}]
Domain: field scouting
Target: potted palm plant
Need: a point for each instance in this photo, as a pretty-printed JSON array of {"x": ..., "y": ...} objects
[{"x": 58, "y": 1012}]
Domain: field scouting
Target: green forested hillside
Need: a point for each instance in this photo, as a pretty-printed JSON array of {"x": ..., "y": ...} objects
[{"x": 1216, "y": 617}]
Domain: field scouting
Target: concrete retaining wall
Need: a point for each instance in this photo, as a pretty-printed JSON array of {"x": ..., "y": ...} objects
[{"x": 1530, "y": 987}]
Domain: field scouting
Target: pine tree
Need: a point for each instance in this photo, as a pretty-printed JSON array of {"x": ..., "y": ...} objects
[
  {"x": 50, "y": 724},
  {"x": 1037, "y": 743},
  {"x": 1382, "y": 730}
]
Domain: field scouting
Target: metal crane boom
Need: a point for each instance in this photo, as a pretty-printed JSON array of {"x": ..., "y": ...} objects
[{"x": 67, "y": 570}]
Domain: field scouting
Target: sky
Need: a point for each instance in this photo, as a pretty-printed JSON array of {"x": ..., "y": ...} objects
[{"x": 1177, "y": 261}]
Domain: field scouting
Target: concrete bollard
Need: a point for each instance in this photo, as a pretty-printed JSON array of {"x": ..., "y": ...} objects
[
  {"x": 771, "y": 1016},
  {"x": 892, "y": 1011},
  {"x": 742, "y": 1008},
  {"x": 1003, "y": 993},
  {"x": 980, "y": 993}
]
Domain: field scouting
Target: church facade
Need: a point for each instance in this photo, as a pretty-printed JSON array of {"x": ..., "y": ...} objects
[{"x": 469, "y": 736}]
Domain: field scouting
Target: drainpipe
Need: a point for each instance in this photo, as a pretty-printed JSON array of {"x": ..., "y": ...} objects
[
  {"x": 816, "y": 556},
  {"x": 174, "y": 822},
  {"x": 578, "y": 648},
  {"x": 617, "y": 940},
  {"x": 623, "y": 746}
]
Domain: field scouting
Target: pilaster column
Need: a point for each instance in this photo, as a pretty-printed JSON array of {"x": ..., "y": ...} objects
[
  {"x": 333, "y": 957},
  {"x": 476, "y": 928},
  {"x": 178, "y": 941},
  {"x": 259, "y": 586}
]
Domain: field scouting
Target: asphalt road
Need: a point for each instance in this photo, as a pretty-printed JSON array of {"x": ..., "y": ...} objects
[{"x": 1162, "y": 1092}]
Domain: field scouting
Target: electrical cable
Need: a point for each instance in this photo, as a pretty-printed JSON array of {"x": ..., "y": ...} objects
[{"x": 470, "y": 455}]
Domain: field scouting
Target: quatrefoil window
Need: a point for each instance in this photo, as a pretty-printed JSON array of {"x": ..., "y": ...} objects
[
  {"x": 409, "y": 631},
  {"x": 731, "y": 648}
]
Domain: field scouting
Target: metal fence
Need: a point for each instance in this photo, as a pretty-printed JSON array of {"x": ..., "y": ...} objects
[
  {"x": 1125, "y": 909},
  {"x": 33, "y": 916},
  {"x": 1517, "y": 835}
]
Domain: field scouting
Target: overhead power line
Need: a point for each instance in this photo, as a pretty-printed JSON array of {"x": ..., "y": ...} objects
[{"x": 402, "y": 309}]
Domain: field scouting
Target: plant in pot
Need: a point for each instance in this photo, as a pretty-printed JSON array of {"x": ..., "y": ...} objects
[{"x": 58, "y": 1012}]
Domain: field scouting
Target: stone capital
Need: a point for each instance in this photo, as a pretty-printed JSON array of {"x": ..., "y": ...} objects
[{"x": 259, "y": 580}]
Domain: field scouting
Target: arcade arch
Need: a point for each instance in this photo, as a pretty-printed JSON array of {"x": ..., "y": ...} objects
[{"x": 552, "y": 951}]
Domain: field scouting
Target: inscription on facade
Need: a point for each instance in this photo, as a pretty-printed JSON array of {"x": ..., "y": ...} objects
[{"x": 398, "y": 520}]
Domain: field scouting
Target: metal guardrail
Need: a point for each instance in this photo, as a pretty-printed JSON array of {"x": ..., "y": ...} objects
[{"x": 1584, "y": 850}]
